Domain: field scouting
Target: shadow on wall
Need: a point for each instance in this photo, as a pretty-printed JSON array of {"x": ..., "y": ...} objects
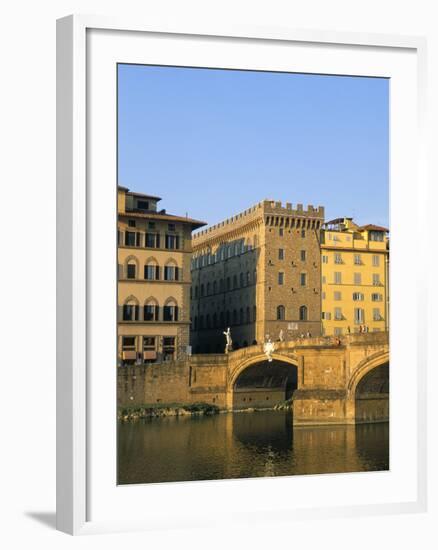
[
  {"x": 224, "y": 295},
  {"x": 264, "y": 385},
  {"x": 372, "y": 396}
]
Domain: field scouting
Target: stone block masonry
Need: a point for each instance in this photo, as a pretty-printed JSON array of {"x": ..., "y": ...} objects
[{"x": 337, "y": 380}]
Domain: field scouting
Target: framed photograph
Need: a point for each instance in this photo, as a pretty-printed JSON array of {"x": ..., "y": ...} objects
[{"x": 239, "y": 282}]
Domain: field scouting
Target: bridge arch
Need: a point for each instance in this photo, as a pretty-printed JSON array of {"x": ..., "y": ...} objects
[
  {"x": 368, "y": 389},
  {"x": 256, "y": 383},
  {"x": 371, "y": 362},
  {"x": 236, "y": 370}
]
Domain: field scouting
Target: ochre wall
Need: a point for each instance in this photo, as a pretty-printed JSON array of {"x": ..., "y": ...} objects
[{"x": 327, "y": 376}]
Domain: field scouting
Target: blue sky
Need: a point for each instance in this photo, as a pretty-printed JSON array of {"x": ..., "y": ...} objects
[{"x": 211, "y": 143}]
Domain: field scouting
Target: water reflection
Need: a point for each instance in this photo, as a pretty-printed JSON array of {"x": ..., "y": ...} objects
[{"x": 237, "y": 445}]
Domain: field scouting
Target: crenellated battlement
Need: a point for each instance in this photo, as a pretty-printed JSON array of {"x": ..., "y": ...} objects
[
  {"x": 264, "y": 208},
  {"x": 247, "y": 215},
  {"x": 278, "y": 208}
]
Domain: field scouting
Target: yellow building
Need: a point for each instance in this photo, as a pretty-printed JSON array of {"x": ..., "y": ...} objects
[
  {"x": 354, "y": 277},
  {"x": 154, "y": 254}
]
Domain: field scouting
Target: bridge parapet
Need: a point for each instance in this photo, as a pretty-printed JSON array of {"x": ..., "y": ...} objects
[
  {"x": 328, "y": 373},
  {"x": 364, "y": 339}
]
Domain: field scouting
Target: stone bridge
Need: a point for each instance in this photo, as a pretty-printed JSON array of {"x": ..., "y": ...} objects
[{"x": 329, "y": 380}]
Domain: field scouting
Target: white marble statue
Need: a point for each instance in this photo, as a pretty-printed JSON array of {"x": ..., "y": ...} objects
[
  {"x": 269, "y": 348},
  {"x": 229, "y": 341},
  {"x": 281, "y": 336}
]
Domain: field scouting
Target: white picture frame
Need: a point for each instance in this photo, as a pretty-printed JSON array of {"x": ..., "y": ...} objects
[{"x": 85, "y": 501}]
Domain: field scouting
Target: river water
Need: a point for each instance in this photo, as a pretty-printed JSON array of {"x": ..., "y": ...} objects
[{"x": 243, "y": 445}]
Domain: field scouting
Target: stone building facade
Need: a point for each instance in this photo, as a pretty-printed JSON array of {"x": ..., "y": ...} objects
[
  {"x": 258, "y": 273},
  {"x": 154, "y": 252}
]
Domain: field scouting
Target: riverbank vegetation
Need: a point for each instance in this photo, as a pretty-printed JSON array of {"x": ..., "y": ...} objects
[
  {"x": 284, "y": 405},
  {"x": 127, "y": 414}
]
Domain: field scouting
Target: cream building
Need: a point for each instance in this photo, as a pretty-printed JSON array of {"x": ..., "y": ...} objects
[
  {"x": 355, "y": 267},
  {"x": 258, "y": 273},
  {"x": 154, "y": 252}
]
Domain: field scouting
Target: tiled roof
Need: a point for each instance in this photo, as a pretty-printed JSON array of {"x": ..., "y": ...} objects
[
  {"x": 372, "y": 227},
  {"x": 165, "y": 217}
]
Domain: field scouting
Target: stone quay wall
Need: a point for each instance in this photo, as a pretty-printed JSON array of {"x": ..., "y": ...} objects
[{"x": 199, "y": 379}]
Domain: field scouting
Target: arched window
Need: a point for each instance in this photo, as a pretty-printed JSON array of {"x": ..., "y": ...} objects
[
  {"x": 151, "y": 270},
  {"x": 170, "y": 310},
  {"x": 281, "y": 313},
  {"x": 131, "y": 267},
  {"x": 303, "y": 313},
  {"x": 171, "y": 271},
  {"x": 151, "y": 310},
  {"x": 131, "y": 309}
]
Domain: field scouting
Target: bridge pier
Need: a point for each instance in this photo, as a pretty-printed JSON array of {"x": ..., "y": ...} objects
[{"x": 321, "y": 406}]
